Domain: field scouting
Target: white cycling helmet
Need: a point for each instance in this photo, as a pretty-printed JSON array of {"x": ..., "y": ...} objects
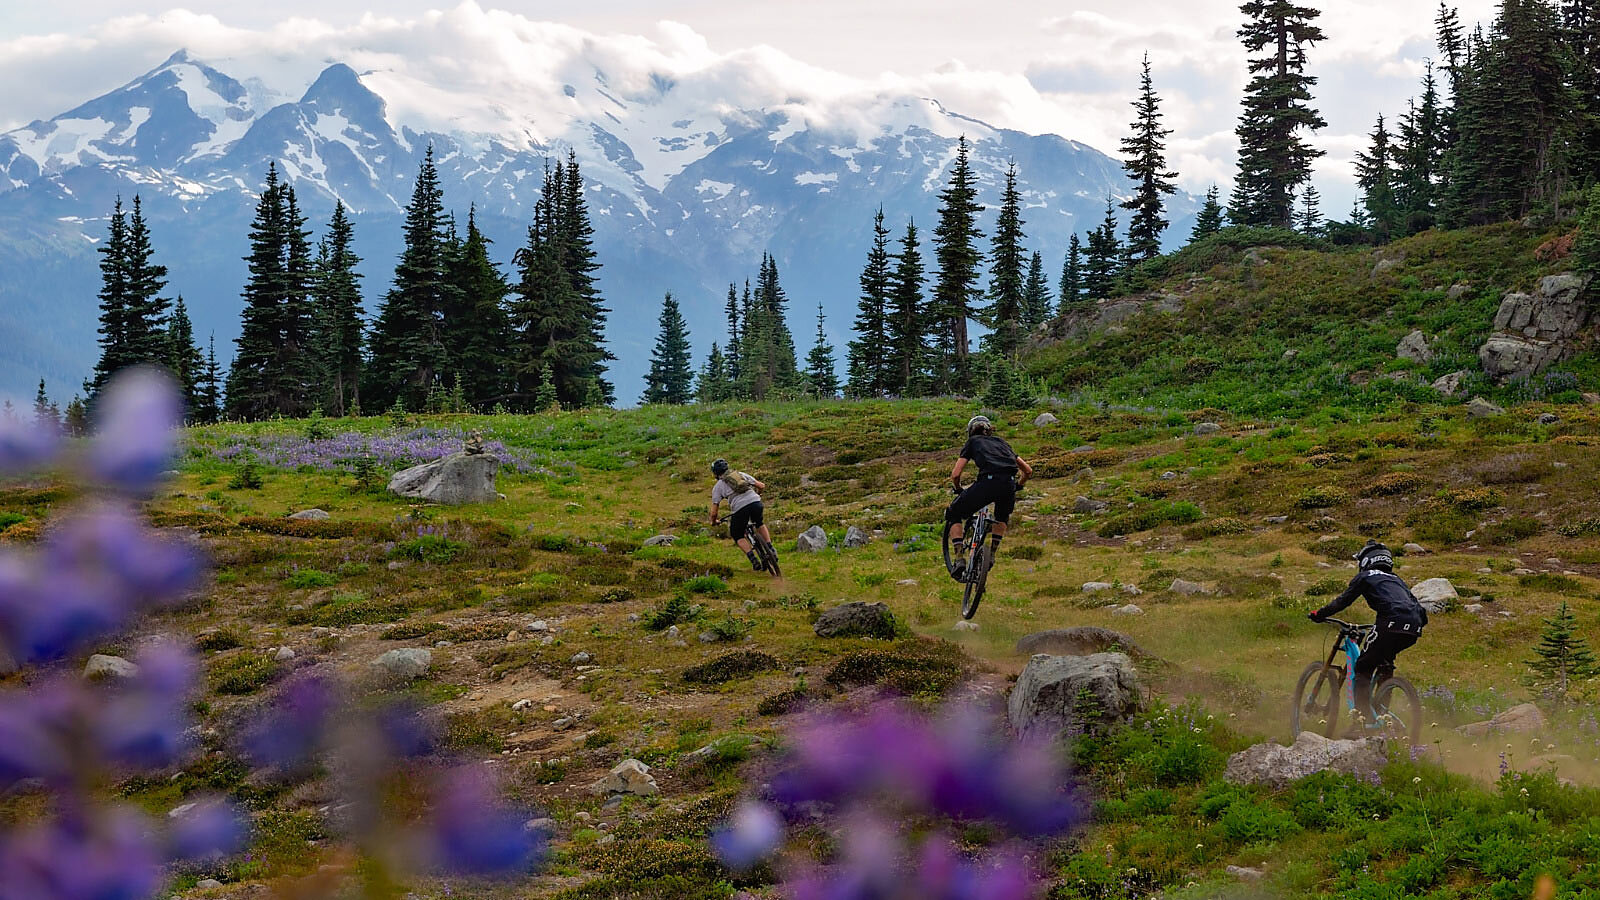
[{"x": 977, "y": 423}]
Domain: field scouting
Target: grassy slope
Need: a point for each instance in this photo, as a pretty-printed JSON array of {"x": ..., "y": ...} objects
[{"x": 1227, "y": 347}]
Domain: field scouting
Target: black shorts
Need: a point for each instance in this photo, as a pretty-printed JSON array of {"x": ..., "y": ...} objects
[
  {"x": 752, "y": 516},
  {"x": 997, "y": 488}
]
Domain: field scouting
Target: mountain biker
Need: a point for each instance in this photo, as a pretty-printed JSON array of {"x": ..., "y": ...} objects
[
  {"x": 1400, "y": 618},
  {"x": 744, "y": 507},
  {"x": 997, "y": 483}
]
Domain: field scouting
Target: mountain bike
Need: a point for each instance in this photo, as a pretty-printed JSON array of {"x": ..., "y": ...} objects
[
  {"x": 975, "y": 550},
  {"x": 764, "y": 551},
  {"x": 1394, "y": 699}
]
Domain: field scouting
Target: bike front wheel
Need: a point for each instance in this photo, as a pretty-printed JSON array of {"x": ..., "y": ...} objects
[
  {"x": 1316, "y": 701},
  {"x": 977, "y": 579},
  {"x": 769, "y": 556},
  {"x": 1399, "y": 708}
]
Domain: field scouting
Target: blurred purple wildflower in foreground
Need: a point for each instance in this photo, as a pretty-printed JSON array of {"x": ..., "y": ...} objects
[
  {"x": 62, "y": 737},
  {"x": 892, "y": 765}
]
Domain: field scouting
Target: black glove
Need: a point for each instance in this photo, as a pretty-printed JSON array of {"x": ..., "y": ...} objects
[
  {"x": 1315, "y": 616},
  {"x": 955, "y": 490}
]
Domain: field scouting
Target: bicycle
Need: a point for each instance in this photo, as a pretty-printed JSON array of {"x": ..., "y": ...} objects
[
  {"x": 974, "y": 546},
  {"x": 765, "y": 552},
  {"x": 1394, "y": 699}
]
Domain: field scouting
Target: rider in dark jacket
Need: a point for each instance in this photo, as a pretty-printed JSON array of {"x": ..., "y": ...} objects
[{"x": 1400, "y": 617}]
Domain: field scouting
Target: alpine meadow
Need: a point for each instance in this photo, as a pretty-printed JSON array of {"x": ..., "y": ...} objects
[{"x": 448, "y": 454}]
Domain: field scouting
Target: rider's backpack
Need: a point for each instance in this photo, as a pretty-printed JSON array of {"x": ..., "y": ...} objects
[{"x": 738, "y": 482}]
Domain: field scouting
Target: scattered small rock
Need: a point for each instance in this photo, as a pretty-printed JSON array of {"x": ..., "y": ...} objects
[
  {"x": 964, "y": 625},
  {"x": 522, "y": 704},
  {"x": 206, "y": 884},
  {"x": 1043, "y": 419},
  {"x": 1473, "y": 607},
  {"x": 1450, "y": 385},
  {"x": 405, "y": 663},
  {"x": 315, "y": 515},
  {"x": 1089, "y": 506},
  {"x": 907, "y": 582},
  {"x": 1411, "y": 549},
  {"x": 513, "y": 636},
  {"x": 1090, "y": 587},
  {"x": 1129, "y": 610},
  {"x": 581, "y": 658},
  {"x": 628, "y": 777},
  {"x": 1276, "y": 520},
  {"x": 1207, "y": 428},
  {"x": 1414, "y": 346},
  {"x": 1479, "y": 408},
  {"x": 661, "y": 540},
  {"x": 545, "y": 825},
  {"x": 1168, "y": 476},
  {"x": 811, "y": 540},
  {"x": 1553, "y": 563},
  {"x": 102, "y": 665},
  {"x": 284, "y": 654},
  {"x": 1132, "y": 590},
  {"x": 538, "y": 626},
  {"x": 1191, "y": 588},
  {"x": 1549, "y": 419},
  {"x": 1245, "y": 873}
]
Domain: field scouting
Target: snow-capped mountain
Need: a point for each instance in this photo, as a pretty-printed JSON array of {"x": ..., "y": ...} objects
[{"x": 686, "y": 191}]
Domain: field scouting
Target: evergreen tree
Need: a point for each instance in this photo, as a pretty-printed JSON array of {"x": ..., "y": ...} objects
[
  {"x": 209, "y": 408},
  {"x": 1581, "y": 29},
  {"x": 273, "y": 372},
  {"x": 1452, "y": 45},
  {"x": 75, "y": 422},
  {"x": 733, "y": 310},
  {"x": 132, "y": 310},
  {"x": 1417, "y": 159},
  {"x": 713, "y": 385},
  {"x": 1274, "y": 156},
  {"x": 1102, "y": 260},
  {"x": 183, "y": 358},
  {"x": 1562, "y": 656},
  {"x": 671, "y": 380},
  {"x": 868, "y": 354},
  {"x": 45, "y": 414},
  {"x": 585, "y": 360},
  {"x": 1145, "y": 161},
  {"x": 820, "y": 365},
  {"x": 1036, "y": 299},
  {"x": 1375, "y": 175},
  {"x": 544, "y": 391},
  {"x": 1209, "y": 220},
  {"x": 1006, "y": 277},
  {"x": 1308, "y": 219},
  {"x": 336, "y": 300},
  {"x": 906, "y": 322},
  {"x": 477, "y": 338},
  {"x": 955, "y": 241},
  {"x": 410, "y": 357},
  {"x": 769, "y": 363},
  {"x": 1072, "y": 274},
  {"x": 1586, "y": 249}
]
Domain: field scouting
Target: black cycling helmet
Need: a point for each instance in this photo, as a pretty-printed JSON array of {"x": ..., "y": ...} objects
[
  {"x": 978, "y": 424},
  {"x": 719, "y": 468},
  {"x": 1374, "y": 556}
]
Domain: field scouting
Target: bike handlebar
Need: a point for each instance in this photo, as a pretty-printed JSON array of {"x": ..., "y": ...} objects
[{"x": 1353, "y": 626}]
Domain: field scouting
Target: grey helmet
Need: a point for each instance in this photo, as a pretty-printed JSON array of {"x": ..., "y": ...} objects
[
  {"x": 1374, "y": 556},
  {"x": 978, "y": 424},
  {"x": 719, "y": 468}
]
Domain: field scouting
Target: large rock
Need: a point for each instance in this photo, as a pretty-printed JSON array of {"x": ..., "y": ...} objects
[
  {"x": 1479, "y": 408},
  {"x": 1525, "y": 717},
  {"x": 1043, "y": 419},
  {"x": 628, "y": 777},
  {"x": 1191, "y": 588},
  {"x": 313, "y": 515},
  {"x": 1535, "y": 331},
  {"x": 660, "y": 540},
  {"x": 1414, "y": 346},
  {"x": 856, "y": 619},
  {"x": 811, "y": 540},
  {"x": 1084, "y": 640},
  {"x": 102, "y": 665},
  {"x": 1073, "y": 694},
  {"x": 454, "y": 479},
  {"x": 1088, "y": 506},
  {"x": 1436, "y": 594},
  {"x": 1451, "y": 385},
  {"x": 1207, "y": 428},
  {"x": 1275, "y": 765},
  {"x": 855, "y": 537},
  {"x": 405, "y": 663}
]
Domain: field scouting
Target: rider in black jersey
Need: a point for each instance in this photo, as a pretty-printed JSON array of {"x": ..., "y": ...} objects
[
  {"x": 1400, "y": 617},
  {"x": 997, "y": 482}
]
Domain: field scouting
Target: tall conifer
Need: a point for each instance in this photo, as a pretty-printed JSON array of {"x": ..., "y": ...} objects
[
  {"x": 670, "y": 380},
  {"x": 1209, "y": 220},
  {"x": 868, "y": 353},
  {"x": 1006, "y": 274},
  {"x": 185, "y": 361},
  {"x": 1072, "y": 274},
  {"x": 1145, "y": 160},
  {"x": 1036, "y": 299},
  {"x": 479, "y": 350},
  {"x": 1274, "y": 156},
  {"x": 273, "y": 371},
  {"x": 820, "y": 372},
  {"x": 956, "y": 290},
  {"x": 336, "y": 298},
  {"x": 907, "y": 321}
]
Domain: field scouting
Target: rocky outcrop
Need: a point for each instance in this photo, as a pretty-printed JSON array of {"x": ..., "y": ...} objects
[
  {"x": 1414, "y": 346},
  {"x": 857, "y": 619},
  {"x": 1084, "y": 640},
  {"x": 312, "y": 515},
  {"x": 1073, "y": 694},
  {"x": 454, "y": 479},
  {"x": 628, "y": 777},
  {"x": 1275, "y": 765},
  {"x": 1102, "y": 315},
  {"x": 1452, "y": 384},
  {"x": 1535, "y": 331},
  {"x": 855, "y": 537}
]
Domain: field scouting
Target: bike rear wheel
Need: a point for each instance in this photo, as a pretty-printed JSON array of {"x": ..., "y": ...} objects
[
  {"x": 769, "y": 556},
  {"x": 1316, "y": 701},
  {"x": 977, "y": 573},
  {"x": 1398, "y": 706}
]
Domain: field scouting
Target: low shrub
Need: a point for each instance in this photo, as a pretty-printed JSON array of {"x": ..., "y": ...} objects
[
  {"x": 783, "y": 703},
  {"x": 1180, "y": 512},
  {"x": 1024, "y": 551},
  {"x": 1548, "y": 581},
  {"x": 1511, "y": 468},
  {"x": 1583, "y": 528},
  {"x": 919, "y": 667},
  {"x": 349, "y": 609},
  {"x": 429, "y": 548},
  {"x": 241, "y": 673},
  {"x": 1395, "y": 483},
  {"x": 727, "y": 667},
  {"x": 220, "y": 639},
  {"x": 727, "y": 629},
  {"x": 1215, "y": 528},
  {"x": 410, "y": 631},
  {"x": 674, "y": 611},
  {"x": 311, "y": 578},
  {"x": 1473, "y": 499},
  {"x": 1327, "y": 587},
  {"x": 615, "y": 595},
  {"x": 1510, "y": 530},
  {"x": 706, "y": 584},
  {"x": 1322, "y": 497},
  {"x": 313, "y": 528}
]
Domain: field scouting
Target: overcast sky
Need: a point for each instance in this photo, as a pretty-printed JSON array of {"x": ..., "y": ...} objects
[{"x": 1069, "y": 68}]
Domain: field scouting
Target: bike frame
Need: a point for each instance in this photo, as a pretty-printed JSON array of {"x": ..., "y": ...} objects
[{"x": 1347, "y": 645}]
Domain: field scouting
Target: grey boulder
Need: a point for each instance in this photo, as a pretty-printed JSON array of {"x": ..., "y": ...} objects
[
  {"x": 1414, "y": 346},
  {"x": 454, "y": 479},
  {"x": 628, "y": 777},
  {"x": 1435, "y": 594},
  {"x": 855, "y": 537},
  {"x": 811, "y": 540},
  {"x": 103, "y": 665},
  {"x": 660, "y": 540},
  {"x": 1207, "y": 428},
  {"x": 314, "y": 515},
  {"x": 1044, "y": 419},
  {"x": 1535, "y": 331},
  {"x": 1191, "y": 588},
  {"x": 405, "y": 663},
  {"x": 1073, "y": 694},
  {"x": 1084, "y": 640},
  {"x": 856, "y": 619},
  {"x": 1479, "y": 408},
  {"x": 1450, "y": 385},
  {"x": 1525, "y": 717},
  {"x": 1275, "y": 765},
  {"x": 1088, "y": 506}
]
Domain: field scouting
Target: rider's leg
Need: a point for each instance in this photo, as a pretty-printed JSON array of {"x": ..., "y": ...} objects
[
  {"x": 1005, "y": 502},
  {"x": 1375, "y": 664}
]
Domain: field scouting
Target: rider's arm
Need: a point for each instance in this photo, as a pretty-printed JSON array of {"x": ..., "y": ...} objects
[
  {"x": 1338, "y": 603},
  {"x": 714, "y": 505},
  {"x": 1025, "y": 469},
  {"x": 760, "y": 485},
  {"x": 955, "y": 474}
]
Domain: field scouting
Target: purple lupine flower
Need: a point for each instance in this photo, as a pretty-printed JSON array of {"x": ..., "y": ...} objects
[
  {"x": 471, "y": 832},
  {"x": 112, "y": 856},
  {"x": 25, "y": 446},
  {"x": 752, "y": 833},
  {"x": 145, "y": 725},
  {"x": 406, "y": 733},
  {"x": 295, "y": 729},
  {"x": 207, "y": 829},
  {"x": 135, "y": 441}
]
